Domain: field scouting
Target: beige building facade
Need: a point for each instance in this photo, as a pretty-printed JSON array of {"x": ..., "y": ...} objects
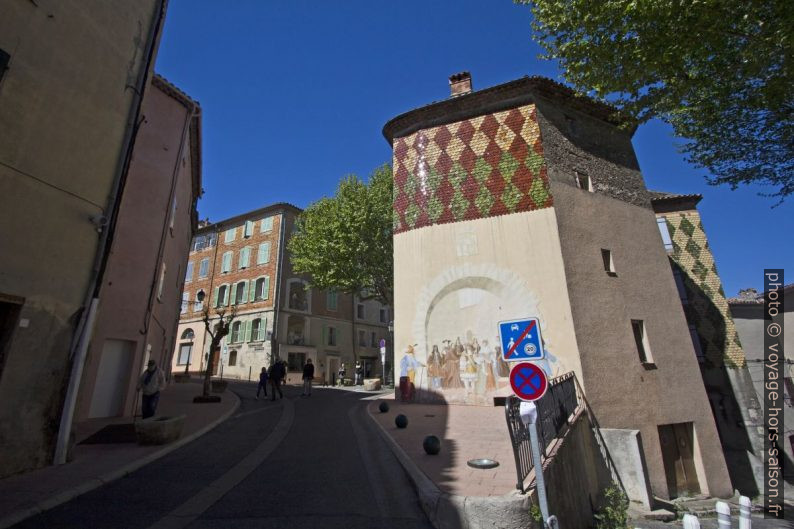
[
  {"x": 67, "y": 111},
  {"x": 521, "y": 201},
  {"x": 242, "y": 264}
]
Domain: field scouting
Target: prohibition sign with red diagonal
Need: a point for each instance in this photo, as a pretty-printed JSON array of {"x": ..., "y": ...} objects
[
  {"x": 528, "y": 381},
  {"x": 520, "y": 338}
]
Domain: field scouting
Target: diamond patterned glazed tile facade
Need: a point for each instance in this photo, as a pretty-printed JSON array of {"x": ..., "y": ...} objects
[
  {"x": 481, "y": 167},
  {"x": 707, "y": 309}
]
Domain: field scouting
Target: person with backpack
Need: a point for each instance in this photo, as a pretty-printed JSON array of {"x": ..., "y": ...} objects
[
  {"x": 308, "y": 376},
  {"x": 262, "y": 383}
]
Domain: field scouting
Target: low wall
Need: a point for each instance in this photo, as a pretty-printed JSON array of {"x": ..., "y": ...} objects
[
  {"x": 625, "y": 447},
  {"x": 575, "y": 475}
]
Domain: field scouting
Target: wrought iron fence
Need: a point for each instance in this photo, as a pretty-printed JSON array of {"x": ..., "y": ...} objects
[{"x": 555, "y": 409}]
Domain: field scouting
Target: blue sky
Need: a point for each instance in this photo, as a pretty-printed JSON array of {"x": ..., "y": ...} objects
[{"x": 295, "y": 94}]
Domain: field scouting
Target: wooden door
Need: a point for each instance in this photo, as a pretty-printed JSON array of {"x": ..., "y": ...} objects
[
  {"x": 216, "y": 358},
  {"x": 677, "y": 441}
]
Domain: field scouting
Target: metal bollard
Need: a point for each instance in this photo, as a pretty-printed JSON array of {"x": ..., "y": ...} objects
[
  {"x": 691, "y": 522},
  {"x": 552, "y": 522},
  {"x": 745, "y": 522},
  {"x": 723, "y": 515}
]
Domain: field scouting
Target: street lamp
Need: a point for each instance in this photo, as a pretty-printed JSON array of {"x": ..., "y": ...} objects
[{"x": 391, "y": 365}]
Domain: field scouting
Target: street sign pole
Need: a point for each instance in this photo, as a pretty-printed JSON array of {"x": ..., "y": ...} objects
[{"x": 529, "y": 416}]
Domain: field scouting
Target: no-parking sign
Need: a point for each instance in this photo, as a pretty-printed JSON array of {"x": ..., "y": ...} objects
[{"x": 528, "y": 381}]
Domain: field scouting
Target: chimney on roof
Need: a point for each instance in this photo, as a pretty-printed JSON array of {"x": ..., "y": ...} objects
[{"x": 460, "y": 84}]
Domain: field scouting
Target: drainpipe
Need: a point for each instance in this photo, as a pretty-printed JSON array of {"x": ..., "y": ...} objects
[
  {"x": 277, "y": 294},
  {"x": 85, "y": 327}
]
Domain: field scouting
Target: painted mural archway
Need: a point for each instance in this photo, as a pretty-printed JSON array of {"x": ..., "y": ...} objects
[{"x": 456, "y": 353}]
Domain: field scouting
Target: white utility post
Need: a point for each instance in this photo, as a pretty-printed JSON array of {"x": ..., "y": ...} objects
[
  {"x": 529, "y": 416},
  {"x": 745, "y": 507},
  {"x": 691, "y": 522},
  {"x": 723, "y": 515}
]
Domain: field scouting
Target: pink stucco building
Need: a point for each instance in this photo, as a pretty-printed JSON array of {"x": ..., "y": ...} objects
[{"x": 141, "y": 294}]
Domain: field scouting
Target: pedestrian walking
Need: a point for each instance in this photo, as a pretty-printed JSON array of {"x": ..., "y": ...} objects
[
  {"x": 359, "y": 374},
  {"x": 262, "y": 383},
  {"x": 308, "y": 375},
  {"x": 341, "y": 380},
  {"x": 151, "y": 383},
  {"x": 276, "y": 373}
]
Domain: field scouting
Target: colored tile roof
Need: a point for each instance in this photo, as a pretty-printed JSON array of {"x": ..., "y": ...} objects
[{"x": 500, "y": 97}]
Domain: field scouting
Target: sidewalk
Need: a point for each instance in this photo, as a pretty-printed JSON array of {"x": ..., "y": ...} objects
[
  {"x": 93, "y": 465},
  {"x": 466, "y": 432}
]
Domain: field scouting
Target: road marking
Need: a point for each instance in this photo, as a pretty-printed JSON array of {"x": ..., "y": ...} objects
[{"x": 186, "y": 513}]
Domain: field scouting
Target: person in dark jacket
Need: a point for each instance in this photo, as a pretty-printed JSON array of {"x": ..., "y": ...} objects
[
  {"x": 262, "y": 383},
  {"x": 276, "y": 374},
  {"x": 308, "y": 375}
]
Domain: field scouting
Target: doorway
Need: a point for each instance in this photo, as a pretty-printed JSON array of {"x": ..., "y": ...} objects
[
  {"x": 112, "y": 379},
  {"x": 333, "y": 368},
  {"x": 216, "y": 358},
  {"x": 677, "y": 442},
  {"x": 9, "y": 315}
]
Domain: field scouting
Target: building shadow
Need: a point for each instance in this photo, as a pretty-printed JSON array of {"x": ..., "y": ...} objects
[{"x": 728, "y": 386}]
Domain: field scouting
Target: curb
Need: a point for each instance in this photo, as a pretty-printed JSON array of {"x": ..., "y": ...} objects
[
  {"x": 450, "y": 511},
  {"x": 94, "y": 483}
]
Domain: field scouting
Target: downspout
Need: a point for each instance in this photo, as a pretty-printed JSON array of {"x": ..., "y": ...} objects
[
  {"x": 85, "y": 328},
  {"x": 281, "y": 256}
]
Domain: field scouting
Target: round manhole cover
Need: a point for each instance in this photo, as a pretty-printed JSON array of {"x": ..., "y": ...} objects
[{"x": 483, "y": 463}]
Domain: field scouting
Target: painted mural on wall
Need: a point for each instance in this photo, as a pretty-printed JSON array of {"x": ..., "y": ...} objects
[
  {"x": 480, "y": 167},
  {"x": 456, "y": 355}
]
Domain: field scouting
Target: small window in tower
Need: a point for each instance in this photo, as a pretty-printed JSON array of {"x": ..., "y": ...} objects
[
  {"x": 609, "y": 264},
  {"x": 583, "y": 181},
  {"x": 641, "y": 340}
]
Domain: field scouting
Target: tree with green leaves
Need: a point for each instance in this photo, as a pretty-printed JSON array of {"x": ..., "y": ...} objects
[
  {"x": 720, "y": 72},
  {"x": 344, "y": 243}
]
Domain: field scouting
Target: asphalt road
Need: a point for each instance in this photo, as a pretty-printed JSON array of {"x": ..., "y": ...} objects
[{"x": 314, "y": 462}]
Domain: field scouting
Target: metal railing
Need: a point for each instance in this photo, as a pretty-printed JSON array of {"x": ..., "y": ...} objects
[{"x": 555, "y": 410}]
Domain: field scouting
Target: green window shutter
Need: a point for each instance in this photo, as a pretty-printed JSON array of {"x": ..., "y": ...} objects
[
  {"x": 260, "y": 254},
  {"x": 244, "y": 255},
  {"x": 226, "y": 296},
  {"x": 215, "y": 297},
  {"x": 245, "y": 291},
  {"x": 248, "y": 325},
  {"x": 226, "y": 264},
  {"x": 266, "y": 294},
  {"x": 234, "y": 293},
  {"x": 266, "y": 252},
  {"x": 267, "y": 224},
  {"x": 252, "y": 290},
  {"x": 263, "y": 329}
]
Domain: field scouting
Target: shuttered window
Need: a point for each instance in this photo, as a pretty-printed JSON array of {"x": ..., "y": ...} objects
[
  {"x": 226, "y": 263},
  {"x": 245, "y": 257},
  {"x": 263, "y": 255},
  {"x": 267, "y": 224}
]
